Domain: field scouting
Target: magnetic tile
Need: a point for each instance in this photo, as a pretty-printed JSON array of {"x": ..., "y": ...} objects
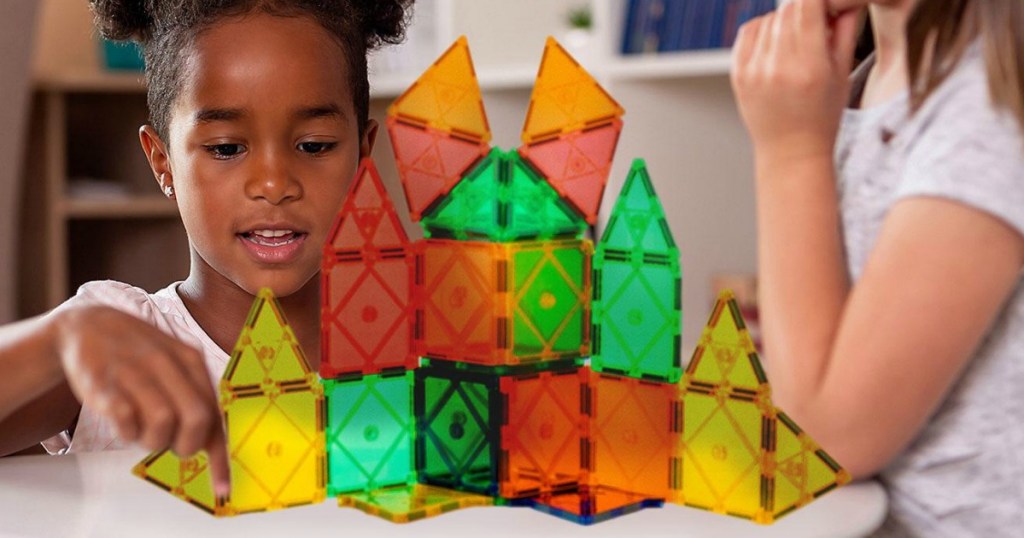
[
  {"x": 565, "y": 98},
  {"x": 367, "y": 315},
  {"x": 367, "y": 222},
  {"x": 725, "y": 355},
  {"x": 405, "y": 504},
  {"x": 430, "y": 162},
  {"x": 577, "y": 165},
  {"x": 544, "y": 433},
  {"x": 722, "y": 452},
  {"x": 637, "y": 317},
  {"x": 187, "y": 479},
  {"x": 457, "y": 442},
  {"x": 503, "y": 199},
  {"x": 446, "y": 97},
  {"x": 370, "y": 432},
  {"x": 633, "y": 435},
  {"x": 637, "y": 221},
  {"x": 593, "y": 505},
  {"x": 803, "y": 471}
]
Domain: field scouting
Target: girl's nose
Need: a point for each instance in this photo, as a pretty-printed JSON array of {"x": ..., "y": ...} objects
[{"x": 273, "y": 180}]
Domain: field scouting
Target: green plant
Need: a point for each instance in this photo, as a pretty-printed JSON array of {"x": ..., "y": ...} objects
[{"x": 580, "y": 18}]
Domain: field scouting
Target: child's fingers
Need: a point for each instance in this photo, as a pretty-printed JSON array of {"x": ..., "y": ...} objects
[
  {"x": 844, "y": 39},
  {"x": 157, "y": 417},
  {"x": 812, "y": 16},
  {"x": 191, "y": 400},
  {"x": 786, "y": 29},
  {"x": 217, "y": 454},
  {"x": 119, "y": 410},
  {"x": 746, "y": 40},
  {"x": 765, "y": 39}
]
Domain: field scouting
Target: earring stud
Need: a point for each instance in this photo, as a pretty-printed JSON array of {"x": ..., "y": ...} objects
[{"x": 169, "y": 191}]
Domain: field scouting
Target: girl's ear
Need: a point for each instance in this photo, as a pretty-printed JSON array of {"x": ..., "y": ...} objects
[
  {"x": 369, "y": 138},
  {"x": 158, "y": 157}
]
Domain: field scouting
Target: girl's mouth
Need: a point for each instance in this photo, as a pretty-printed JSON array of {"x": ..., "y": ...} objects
[{"x": 273, "y": 246}]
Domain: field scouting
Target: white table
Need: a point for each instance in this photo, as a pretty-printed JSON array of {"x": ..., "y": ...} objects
[{"x": 96, "y": 495}]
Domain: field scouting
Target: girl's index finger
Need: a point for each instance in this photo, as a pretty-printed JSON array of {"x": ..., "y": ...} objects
[{"x": 217, "y": 457}]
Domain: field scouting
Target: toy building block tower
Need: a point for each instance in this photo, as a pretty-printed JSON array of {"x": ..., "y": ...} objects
[
  {"x": 455, "y": 369},
  {"x": 273, "y": 412}
]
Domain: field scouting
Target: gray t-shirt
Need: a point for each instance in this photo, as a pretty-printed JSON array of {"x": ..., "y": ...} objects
[{"x": 963, "y": 475}]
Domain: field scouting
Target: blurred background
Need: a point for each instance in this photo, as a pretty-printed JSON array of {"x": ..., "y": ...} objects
[{"x": 78, "y": 202}]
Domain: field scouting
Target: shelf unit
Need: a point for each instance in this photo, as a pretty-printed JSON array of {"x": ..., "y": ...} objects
[{"x": 680, "y": 117}]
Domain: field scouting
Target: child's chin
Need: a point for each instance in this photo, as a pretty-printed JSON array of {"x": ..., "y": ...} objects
[{"x": 280, "y": 283}]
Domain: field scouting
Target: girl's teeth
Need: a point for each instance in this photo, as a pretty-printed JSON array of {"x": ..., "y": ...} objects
[{"x": 272, "y": 233}]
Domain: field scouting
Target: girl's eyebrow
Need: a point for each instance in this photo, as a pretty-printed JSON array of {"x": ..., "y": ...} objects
[
  {"x": 327, "y": 110},
  {"x": 208, "y": 115}
]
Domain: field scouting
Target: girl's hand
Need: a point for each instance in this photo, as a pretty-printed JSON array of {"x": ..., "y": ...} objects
[
  {"x": 153, "y": 388},
  {"x": 790, "y": 75}
]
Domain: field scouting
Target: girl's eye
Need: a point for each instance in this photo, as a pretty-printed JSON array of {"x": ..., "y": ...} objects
[
  {"x": 316, "y": 148},
  {"x": 224, "y": 151}
]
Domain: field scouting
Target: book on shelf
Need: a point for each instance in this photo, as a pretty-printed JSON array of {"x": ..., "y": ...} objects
[{"x": 654, "y": 26}]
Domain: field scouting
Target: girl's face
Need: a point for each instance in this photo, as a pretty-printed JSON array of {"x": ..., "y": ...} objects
[{"x": 263, "y": 142}]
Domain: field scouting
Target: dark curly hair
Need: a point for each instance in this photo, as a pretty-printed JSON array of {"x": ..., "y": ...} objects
[{"x": 166, "y": 27}]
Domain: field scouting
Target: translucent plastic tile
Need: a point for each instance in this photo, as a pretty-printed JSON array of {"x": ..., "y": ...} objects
[
  {"x": 446, "y": 97},
  {"x": 722, "y": 453},
  {"x": 593, "y": 505},
  {"x": 726, "y": 356},
  {"x": 803, "y": 471},
  {"x": 637, "y": 222},
  {"x": 430, "y": 162},
  {"x": 367, "y": 222},
  {"x": 637, "y": 316},
  {"x": 367, "y": 315},
  {"x": 577, "y": 165},
  {"x": 502, "y": 304},
  {"x": 633, "y": 436},
  {"x": 188, "y": 479},
  {"x": 370, "y": 432},
  {"x": 503, "y": 199},
  {"x": 544, "y": 431},
  {"x": 551, "y": 299},
  {"x": 457, "y": 445},
  {"x": 405, "y": 504},
  {"x": 565, "y": 98}
]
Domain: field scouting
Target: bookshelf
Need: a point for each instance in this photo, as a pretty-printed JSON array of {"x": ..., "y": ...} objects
[{"x": 680, "y": 117}]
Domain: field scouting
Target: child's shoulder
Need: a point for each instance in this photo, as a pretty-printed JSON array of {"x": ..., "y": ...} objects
[{"x": 119, "y": 295}]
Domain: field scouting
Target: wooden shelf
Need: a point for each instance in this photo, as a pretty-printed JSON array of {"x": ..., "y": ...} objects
[
  {"x": 128, "y": 207},
  {"x": 92, "y": 81}
]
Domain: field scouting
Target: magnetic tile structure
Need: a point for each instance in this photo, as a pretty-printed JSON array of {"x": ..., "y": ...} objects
[
  {"x": 503, "y": 359},
  {"x": 366, "y": 284},
  {"x": 741, "y": 455},
  {"x": 273, "y": 414}
]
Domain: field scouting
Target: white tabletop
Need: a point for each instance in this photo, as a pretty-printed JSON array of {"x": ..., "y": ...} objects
[{"x": 96, "y": 495}]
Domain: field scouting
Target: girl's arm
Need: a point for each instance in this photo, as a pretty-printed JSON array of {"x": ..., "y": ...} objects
[
  {"x": 154, "y": 389},
  {"x": 861, "y": 369}
]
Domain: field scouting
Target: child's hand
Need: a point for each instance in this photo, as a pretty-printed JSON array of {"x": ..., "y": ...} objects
[
  {"x": 155, "y": 389},
  {"x": 790, "y": 75}
]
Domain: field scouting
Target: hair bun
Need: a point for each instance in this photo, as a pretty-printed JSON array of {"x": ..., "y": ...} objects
[
  {"x": 120, "y": 20},
  {"x": 384, "y": 21}
]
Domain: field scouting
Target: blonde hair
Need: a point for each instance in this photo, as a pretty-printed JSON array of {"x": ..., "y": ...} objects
[{"x": 939, "y": 31}]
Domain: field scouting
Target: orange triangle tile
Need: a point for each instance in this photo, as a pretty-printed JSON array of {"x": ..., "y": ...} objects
[
  {"x": 446, "y": 97},
  {"x": 565, "y": 98}
]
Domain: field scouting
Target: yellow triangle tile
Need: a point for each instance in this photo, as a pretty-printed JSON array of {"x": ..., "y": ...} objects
[
  {"x": 267, "y": 350},
  {"x": 726, "y": 355},
  {"x": 803, "y": 471},
  {"x": 188, "y": 479},
  {"x": 565, "y": 98},
  {"x": 446, "y": 97}
]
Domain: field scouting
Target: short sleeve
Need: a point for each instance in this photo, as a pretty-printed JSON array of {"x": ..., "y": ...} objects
[{"x": 967, "y": 150}]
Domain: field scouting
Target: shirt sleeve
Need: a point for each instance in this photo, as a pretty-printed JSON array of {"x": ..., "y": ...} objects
[{"x": 968, "y": 150}]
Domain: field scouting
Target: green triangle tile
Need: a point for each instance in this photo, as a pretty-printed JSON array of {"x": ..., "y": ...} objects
[
  {"x": 638, "y": 220},
  {"x": 503, "y": 199}
]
